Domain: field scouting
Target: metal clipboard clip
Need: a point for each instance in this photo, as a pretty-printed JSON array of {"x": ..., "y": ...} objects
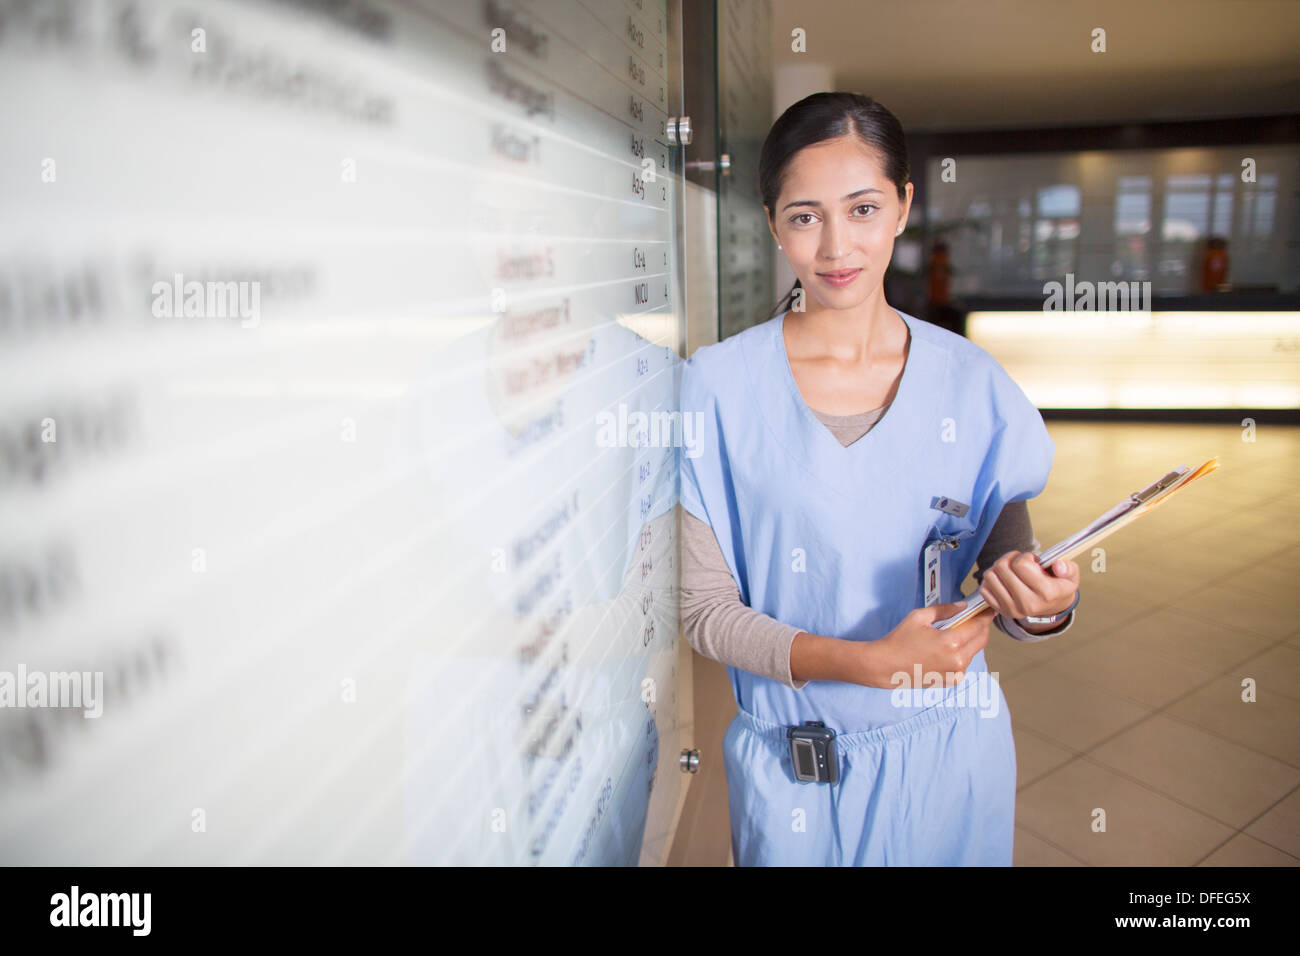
[{"x": 1153, "y": 489}]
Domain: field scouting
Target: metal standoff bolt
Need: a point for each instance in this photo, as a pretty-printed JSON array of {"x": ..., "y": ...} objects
[
  {"x": 690, "y": 761},
  {"x": 723, "y": 165},
  {"x": 679, "y": 131}
]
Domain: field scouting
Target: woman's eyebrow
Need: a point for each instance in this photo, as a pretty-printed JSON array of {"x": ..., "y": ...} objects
[{"x": 813, "y": 202}]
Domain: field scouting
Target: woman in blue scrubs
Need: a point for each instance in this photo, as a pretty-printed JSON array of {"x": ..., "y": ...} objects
[{"x": 843, "y": 541}]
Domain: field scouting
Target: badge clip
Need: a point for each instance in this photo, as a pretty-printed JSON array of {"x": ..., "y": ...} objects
[{"x": 950, "y": 506}]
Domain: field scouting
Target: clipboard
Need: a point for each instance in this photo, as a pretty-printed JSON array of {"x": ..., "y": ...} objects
[{"x": 1126, "y": 512}]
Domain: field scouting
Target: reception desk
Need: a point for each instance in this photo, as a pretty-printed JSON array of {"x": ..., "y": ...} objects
[{"x": 1193, "y": 353}]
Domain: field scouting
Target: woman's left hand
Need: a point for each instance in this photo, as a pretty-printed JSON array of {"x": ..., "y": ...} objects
[{"x": 1017, "y": 586}]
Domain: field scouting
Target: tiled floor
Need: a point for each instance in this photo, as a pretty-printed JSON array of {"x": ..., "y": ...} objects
[{"x": 1136, "y": 716}]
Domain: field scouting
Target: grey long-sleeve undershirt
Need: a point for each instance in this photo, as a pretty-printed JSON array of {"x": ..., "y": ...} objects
[{"x": 722, "y": 627}]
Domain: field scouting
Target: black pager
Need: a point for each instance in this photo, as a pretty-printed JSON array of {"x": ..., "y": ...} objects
[{"x": 812, "y": 748}]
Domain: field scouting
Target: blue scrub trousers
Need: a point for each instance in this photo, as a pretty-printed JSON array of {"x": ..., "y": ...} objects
[{"x": 935, "y": 789}]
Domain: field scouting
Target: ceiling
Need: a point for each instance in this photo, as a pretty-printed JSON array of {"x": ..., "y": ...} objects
[{"x": 994, "y": 64}]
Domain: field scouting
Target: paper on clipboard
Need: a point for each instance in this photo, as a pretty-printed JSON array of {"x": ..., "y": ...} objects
[{"x": 1127, "y": 511}]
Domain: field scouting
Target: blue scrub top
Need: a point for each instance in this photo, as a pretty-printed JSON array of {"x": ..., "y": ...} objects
[{"x": 829, "y": 538}]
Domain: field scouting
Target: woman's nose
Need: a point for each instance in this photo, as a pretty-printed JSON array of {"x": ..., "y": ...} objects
[{"x": 831, "y": 240}]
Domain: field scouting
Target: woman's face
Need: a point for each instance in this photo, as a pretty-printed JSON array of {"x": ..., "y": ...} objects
[{"x": 838, "y": 212}]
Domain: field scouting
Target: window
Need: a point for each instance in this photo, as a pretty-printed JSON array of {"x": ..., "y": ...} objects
[
  {"x": 1132, "y": 226},
  {"x": 1055, "y": 231}
]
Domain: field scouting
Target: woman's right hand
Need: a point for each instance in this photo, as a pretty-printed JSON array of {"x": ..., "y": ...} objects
[{"x": 941, "y": 656}]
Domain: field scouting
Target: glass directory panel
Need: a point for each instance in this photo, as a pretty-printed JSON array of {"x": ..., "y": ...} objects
[{"x": 335, "y": 514}]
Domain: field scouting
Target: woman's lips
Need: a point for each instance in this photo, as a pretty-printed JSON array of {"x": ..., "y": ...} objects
[{"x": 841, "y": 278}]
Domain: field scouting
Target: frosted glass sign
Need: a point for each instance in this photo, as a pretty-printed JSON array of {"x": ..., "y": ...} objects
[{"x": 322, "y": 329}]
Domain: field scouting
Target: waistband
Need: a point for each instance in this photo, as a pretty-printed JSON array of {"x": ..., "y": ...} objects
[{"x": 940, "y": 713}]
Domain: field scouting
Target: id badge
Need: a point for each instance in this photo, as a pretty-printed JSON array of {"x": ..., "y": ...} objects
[
  {"x": 931, "y": 566},
  {"x": 932, "y": 572}
]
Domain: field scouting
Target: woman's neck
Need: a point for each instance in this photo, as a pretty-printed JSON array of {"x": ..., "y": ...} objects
[{"x": 850, "y": 335}]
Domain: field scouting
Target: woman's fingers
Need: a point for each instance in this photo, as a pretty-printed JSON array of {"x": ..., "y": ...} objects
[
  {"x": 1060, "y": 584},
  {"x": 1018, "y": 586},
  {"x": 998, "y": 595},
  {"x": 1067, "y": 571},
  {"x": 1038, "y": 585}
]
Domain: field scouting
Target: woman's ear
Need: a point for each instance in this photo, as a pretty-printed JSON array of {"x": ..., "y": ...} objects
[{"x": 906, "y": 208}]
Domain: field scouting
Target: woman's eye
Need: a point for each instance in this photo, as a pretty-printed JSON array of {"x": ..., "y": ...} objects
[{"x": 796, "y": 220}]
